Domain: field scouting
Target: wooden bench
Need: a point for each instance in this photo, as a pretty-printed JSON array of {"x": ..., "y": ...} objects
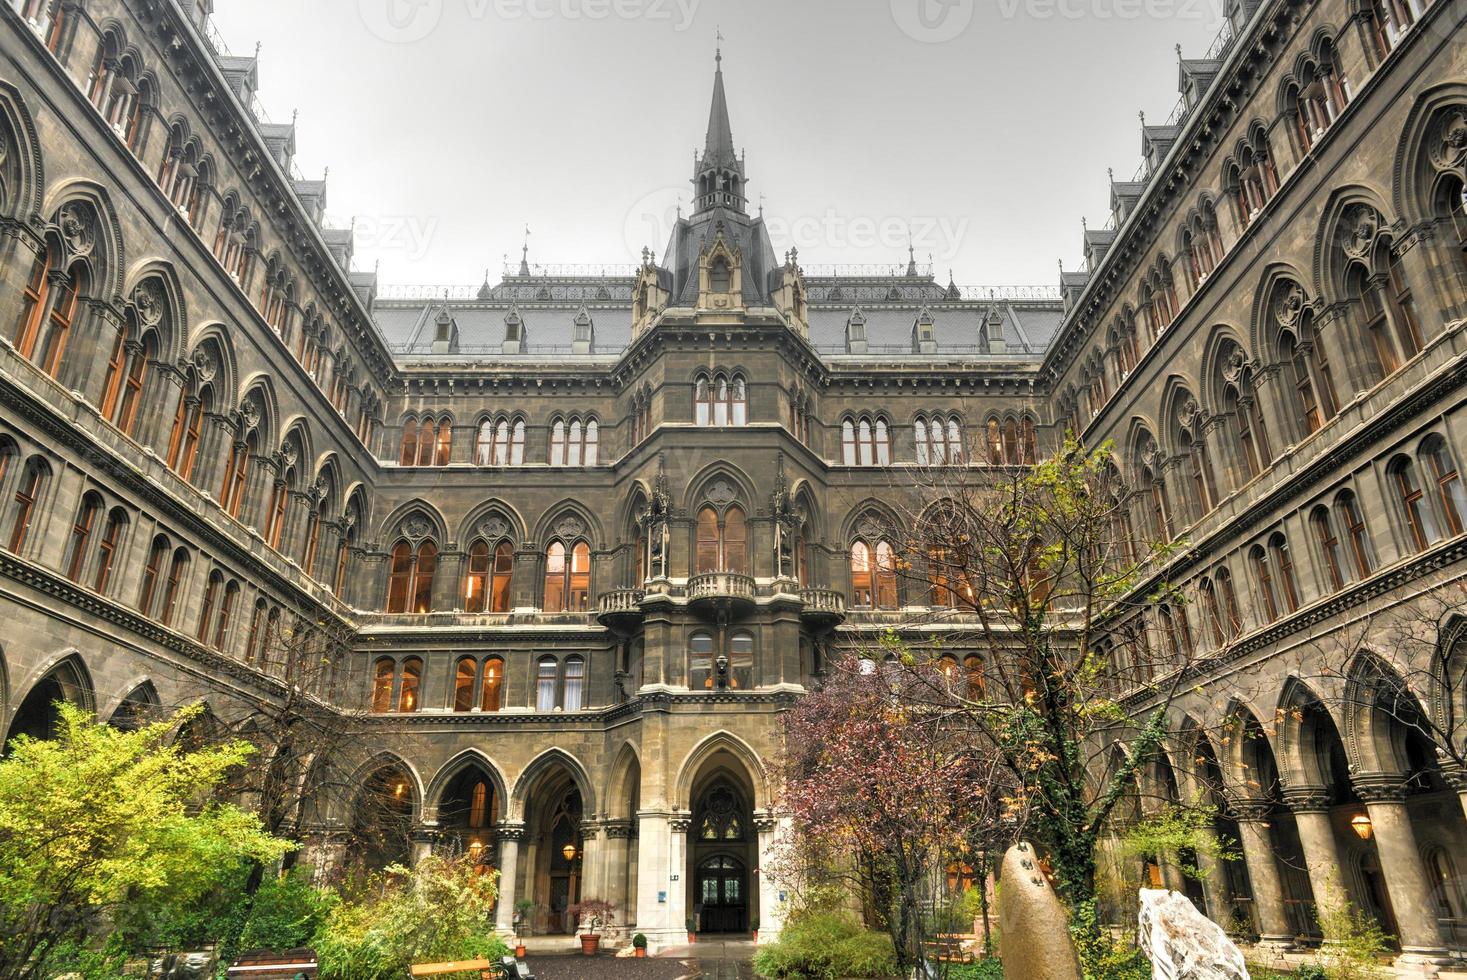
[
  {"x": 292, "y": 964},
  {"x": 485, "y": 968},
  {"x": 948, "y": 951}
]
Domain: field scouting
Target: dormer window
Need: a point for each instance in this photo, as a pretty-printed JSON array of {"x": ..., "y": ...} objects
[{"x": 720, "y": 279}]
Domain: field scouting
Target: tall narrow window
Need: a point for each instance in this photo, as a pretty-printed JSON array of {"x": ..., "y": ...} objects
[
  {"x": 1229, "y": 596},
  {"x": 867, "y": 445},
  {"x": 107, "y": 549},
  {"x": 1419, "y": 521},
  {"x": 700, "y": 662},
  {"x": 579, "y": 598},
  {"x": 27, "y": 492},
  {"x": 557, "y": 443},
  {"x": 1329, "y": 545},
  {"x": 1278, "y": 547},
  {"x": 152, "y": 575},
  {"x": 410, "y": 684},
  {"x": 739, "y": 409},
  {"x": 382, "y": 672},
  {"x": 555, "y": 578},
  {"x": 883, "y": 443},
  {"x": 81, "y": 535},
  {"x": 1348, "y": 509},
  {"x": 1403, "y": 306},
  {"x": 212, "y": 589},
  {"x": 489, "y": 687},
  {"x": 1263, "y": 574},
  {"x": 575, "y": 684},
  {"x": 399, "y": 577},
  {"x": 464, "y": 676},
  {"x": 735, "y": 542},
  {"x": 476, "y": 578},
  {"x": 861, "y": 586},
  {"x": 1450, "y": 495},
  {"x": 593, "y": 443},
  {"x": 444, "y": 451},
  {"x": 424, "y": 567},
  {"x": 226, "y": 614},
  {"x": 703, "y": 402},
  {"x": 173, "y": 587},
  {"x": 546, "y": 675},
  {"x": 503, "y": 572},
  {"x": 517, "y": 447},
  {"x": 886, "y": 583},
  {"x": 707, "y": 544},
  {"x": 741, "y": 661},
  {"x": 409, "y": 454},
  {"x": 848, "y": 442}
]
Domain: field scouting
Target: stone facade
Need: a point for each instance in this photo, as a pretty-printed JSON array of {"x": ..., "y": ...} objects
[{"x": 590, "y": 533}]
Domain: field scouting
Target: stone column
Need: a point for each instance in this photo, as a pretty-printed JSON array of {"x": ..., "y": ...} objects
[
  {"x": 1263, "y": 872},
  {"x": 510, "y": 834},
  {"x": 1276, "y": 405},
  {"x": 593, "y": 861},
  {"x": 424, "y": 835},
  {"x": 1400, "y": 864},
  {"x": 1214, "y": 880},
  {"x": 1457, "y": 780},
  {"x": 1321, "y": 853}
]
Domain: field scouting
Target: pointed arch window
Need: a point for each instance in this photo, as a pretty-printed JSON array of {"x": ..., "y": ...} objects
[
  {"x": 491, "y": 685},
  {"x": 547, "y": 673},
  {"x": 567, "y": 577},
  {"x": 410, "y": 577},
  {"x": 1263, "y": 575},
  {"x": 1329, "y": 546},
  {"x": 1420, "y": 522},
  {"x": 848, "y": 442},
  {"x": 722, "y": 541},
  {"x": 1283, "y": 562},
  {"x": 486, "y": 588},
  {"x": 410, "y": 685},
  {"x": 1451, "y": 498},
  {"x": 464, "y": 677},
  {"x": 862, "y": 595},
  {"x": 27, "y": 492},
  {"x": 153, "y": 575},
  {"x": 574, "y": 696},
  {"x": 382, "y": 677},
  {"x": 700, "y": 661}
]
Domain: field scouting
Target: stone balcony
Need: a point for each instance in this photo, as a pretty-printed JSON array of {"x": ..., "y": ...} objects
[
  {"x": 822, "y": 608},
  {"x": 619, "y": 609},
  {"x": 721, "y": 594}
]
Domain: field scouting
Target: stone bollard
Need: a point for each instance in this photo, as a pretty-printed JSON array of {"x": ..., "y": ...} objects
[{"x": 1034, "y": 928}]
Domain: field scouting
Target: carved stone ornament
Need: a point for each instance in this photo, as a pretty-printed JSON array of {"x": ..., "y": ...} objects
[
  {"x": 869, "y": 527},
  {"x": 77, "y": 228},
  {"x": 1152, "y": 458},
  {"x": 416, "y": 527},
  {"x": 1234, "y": 365},
  {"x": 1289, "y": 306},
  {"x": 494, "y": 528},
  {"x": 250, "y": 414},
  {"x": 322, "y": 487},
  {"x": 721, "y": 493},
  {"x": 569, "y": 527},
  {"x": 1362, "y": 224},
  {"x": 348, "y": 521},
  {"x": 1190, "y": 412},
  {"x": 148, "y": 301},
  {"x": 289, "y": 454},
  {"x": 1449, "y": 147},
  {"x": 206, "y": 366}
]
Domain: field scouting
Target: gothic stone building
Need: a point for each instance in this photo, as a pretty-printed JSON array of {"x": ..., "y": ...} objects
[{"x": 587, "y": 535}]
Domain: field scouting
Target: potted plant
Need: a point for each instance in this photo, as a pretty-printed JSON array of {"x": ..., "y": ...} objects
[
  {"x": 523, "y": 909},
  {"x": 594, "y": 913},
  {"x": 692, "y": 933},
  {"x": 754, "y": 928},
  {"x": 639, "y": 943}
]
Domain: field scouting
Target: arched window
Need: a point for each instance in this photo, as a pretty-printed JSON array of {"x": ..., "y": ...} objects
[
  {"x": 574, "y": 696},
  {"x": 741, "y": 661},
  {"x": 1263, "y": 575},
  {"x": 464, "y": 677},
  {"x": 700, "y": 662},
  {"x": 27, "y": 492},
  {"x": 188, "y": 426},
  {"x": 410, "y": 685},
  {"x": 1283, "y": 563},
  {"x": 862, "y": 595},
  {"x": 739, "y": 404},
  {"x": 1347, "y": 508},
  {"x": 382, "y": 675},
  {"x": 1420, "y": 522},
  {"x": 173, "y": 586},
  {"x": 81, "y": 535},
  {"x": 883, "y": 443},
  {"x": 591, "y": 451},
  {"x": 409, "y": 454},
  {"x": 1229, "y": 597},
  {"x": 547, "y": 673},
  {"x": 1213, "y": 608},
  {"x": 722, "y": 543},
  {"x": 703, "y": 401},
  {"x": 886, "y": 583},
  {"x": 153, "y": 575},
  {"x": 485, "y": 444},
  {"x": 444, "y": 451},
  {"x": 255, "y": 639},
  {"x": 107, "y": 549},
  {"x": 1329, "y": 546},
  {"x": 237, "y": 474},
  {"x": 492, "y": 684},
  {"x": 1443, "y": 470},
  {"x": 557, "y": 443},
  {"x": 488, "y": 579},
  {"x": 579, "y": 597},
  {"x": 848, "y": 442},
  {"x": 410, "y": 577},
  {"x": 226, "y": 615},
  {"x": 555, "y": 578},
  {"x": 212, "y": 588}
]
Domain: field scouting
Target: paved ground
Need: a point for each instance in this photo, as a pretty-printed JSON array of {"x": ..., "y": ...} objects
[{"x": 703, "y": 961}]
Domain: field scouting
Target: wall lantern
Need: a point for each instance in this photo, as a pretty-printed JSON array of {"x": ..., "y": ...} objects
[
  {"x": 1360, "y": 823},
  {"x": 569, "y": 851}
]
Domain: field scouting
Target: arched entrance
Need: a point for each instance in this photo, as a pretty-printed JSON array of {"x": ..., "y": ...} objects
[
  {"x": 723, "y": 847},
  {"x": 555, "y": 848},
  {"x": 382, "y": 820},
  {"x": 467, "y": 813},
  {"x": 37, "y": 716}
]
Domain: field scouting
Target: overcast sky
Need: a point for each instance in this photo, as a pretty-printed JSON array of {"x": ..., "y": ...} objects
[{"x": 986, "y": 126}]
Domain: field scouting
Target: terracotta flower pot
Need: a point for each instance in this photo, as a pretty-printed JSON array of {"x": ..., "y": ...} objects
[
  {"x": 589, "y": 945},
  {"x": 519, "y": 951},
  {"x": 692, "y": 938},
  {"x": 641, "y": 952}
]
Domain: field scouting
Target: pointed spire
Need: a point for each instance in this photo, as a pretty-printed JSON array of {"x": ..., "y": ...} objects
[
  {"x": 525, "y": 254},
  {"x": 718, "y": 148},
  {"x": 911, "y": 255}
]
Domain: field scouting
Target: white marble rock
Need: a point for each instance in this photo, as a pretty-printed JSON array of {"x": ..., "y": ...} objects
[{"x": 1184, "y": 944}]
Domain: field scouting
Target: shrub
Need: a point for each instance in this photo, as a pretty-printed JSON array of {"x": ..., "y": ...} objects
[
  {"x": 989, "y": 969},
  {"x": 824, "y": 946},
  {"x": 639, "y": 941}
]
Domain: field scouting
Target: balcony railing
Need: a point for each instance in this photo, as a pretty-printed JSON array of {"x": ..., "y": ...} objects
[
  {"x": 825, "y": 607},
  {"x": 727, "y": 592},
  {"x": 619, "y": 607}
]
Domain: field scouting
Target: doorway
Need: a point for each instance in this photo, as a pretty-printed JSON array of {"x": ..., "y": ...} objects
[{"x": 723, "y": 893}]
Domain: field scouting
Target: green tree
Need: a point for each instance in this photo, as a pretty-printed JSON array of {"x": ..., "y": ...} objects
[{"x": 99, "y": 818}]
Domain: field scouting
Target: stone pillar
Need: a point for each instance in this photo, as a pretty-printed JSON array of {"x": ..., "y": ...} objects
[
  {"x": 1400, "y": 864},
  {"x": 424, "y": 835},
  {"x": 1277, "y": 406},
  {"x": 1321, "y": 853},
  {"x": 1214, "y": 879},
  {"x": 1263, "y": 872},
  {"x": 618, "y": 840},
  {"x": 661, "y": 892},
  {"x": 771, "y": 909},
  {"x": 593, "y": 862},
  {"x": 1457, "y": 780},
  {"x": 510, "y": 834}
]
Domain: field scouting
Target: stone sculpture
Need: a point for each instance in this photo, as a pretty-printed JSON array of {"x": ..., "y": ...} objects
[{"x": 1182, "y": 943}]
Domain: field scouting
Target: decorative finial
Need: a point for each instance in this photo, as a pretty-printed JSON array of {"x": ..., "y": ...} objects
[
  {"x": 1142, "y": 114},
  {"x": 1111, "y": 173},
  {"x": 1084, "y": 224},
  {"x": 718, "y": 51},
  {"x": 1179, "y": 50}
]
